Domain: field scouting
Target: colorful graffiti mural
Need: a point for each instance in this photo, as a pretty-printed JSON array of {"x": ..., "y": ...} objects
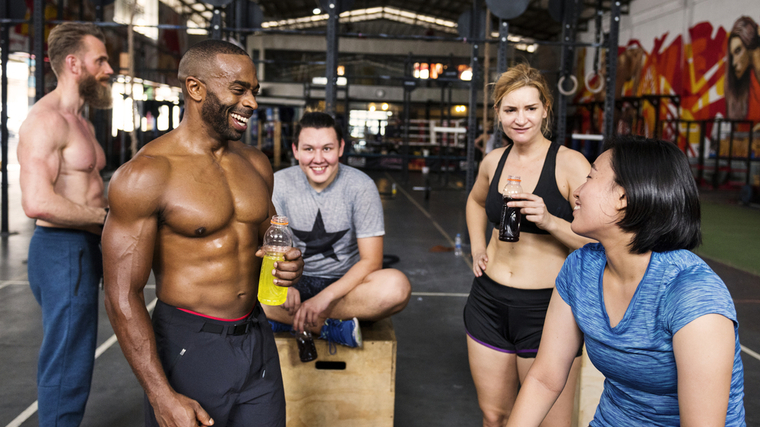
[{"x": 713, "y": 74}]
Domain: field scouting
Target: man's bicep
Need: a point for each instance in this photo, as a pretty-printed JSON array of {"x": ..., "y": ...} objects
[
  {"x": 367, "y": 211},
  {"x": 371, "y": 248},
  {"x": 39, "y": 154},
  {"x": 37, "y": 178},
  {"x": 128, "y": 244},
  {"x": 131, "y": 229}
]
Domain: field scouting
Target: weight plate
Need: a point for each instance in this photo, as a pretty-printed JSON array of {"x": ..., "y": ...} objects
[{"x": 507, "y": 9}]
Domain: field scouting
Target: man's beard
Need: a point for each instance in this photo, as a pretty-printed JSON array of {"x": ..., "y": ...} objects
[
  {"x": 217, "y": 115},
  {"x": 95, "y": 93}
]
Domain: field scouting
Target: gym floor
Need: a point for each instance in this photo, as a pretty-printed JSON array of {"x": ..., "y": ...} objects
[{"x": 433, "y": 383}]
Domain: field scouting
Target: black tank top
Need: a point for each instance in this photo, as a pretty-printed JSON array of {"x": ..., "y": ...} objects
[{"x": 546, "y": 188}]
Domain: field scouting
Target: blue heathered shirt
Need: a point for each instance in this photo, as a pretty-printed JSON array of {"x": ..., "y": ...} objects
[{"x": 636, "y": 356}]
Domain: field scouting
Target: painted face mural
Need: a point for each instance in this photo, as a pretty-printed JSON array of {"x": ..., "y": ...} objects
[{"x": 739, "y": 56}]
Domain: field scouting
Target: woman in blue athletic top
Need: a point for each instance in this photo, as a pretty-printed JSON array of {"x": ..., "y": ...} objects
[
  {"x": 513, "y": 283},
  {"x": 657, "y": 321}
]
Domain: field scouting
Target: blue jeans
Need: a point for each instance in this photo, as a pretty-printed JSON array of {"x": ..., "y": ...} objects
[{"x": 65, "y": 267}]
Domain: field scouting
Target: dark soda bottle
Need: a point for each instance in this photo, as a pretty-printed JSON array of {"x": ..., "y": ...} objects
[
  {"x": 509, "y": 228},
  {"x": 307, "y": 351}
]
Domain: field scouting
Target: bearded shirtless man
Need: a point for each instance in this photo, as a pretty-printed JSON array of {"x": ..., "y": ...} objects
[
  {"x": 62, "y": 189},
  {"x": 193, "y": 205}
]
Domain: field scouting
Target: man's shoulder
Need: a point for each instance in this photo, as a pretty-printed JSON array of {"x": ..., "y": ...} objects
[
  {"x": 253, "y": 154},
  {"x": 288, "y": 172},
  {"x": 353, "y": 177},
  {"x": 289, "y": 183},
  {"x": 147, "y": 165},
  {"x": 151, "y": 165},
  {"x": 44, "y": 118},
  {"x": 292, "y": 175}
]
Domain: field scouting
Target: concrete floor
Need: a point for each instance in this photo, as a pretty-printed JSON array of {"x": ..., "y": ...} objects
[{"x": 433, "y": 383}]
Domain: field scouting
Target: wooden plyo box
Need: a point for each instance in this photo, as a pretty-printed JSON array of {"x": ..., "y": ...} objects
[{"x": 355, "y": 387}]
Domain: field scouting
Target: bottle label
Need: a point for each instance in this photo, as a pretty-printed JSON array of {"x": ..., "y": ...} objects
[{"x": 275, "y": 249}]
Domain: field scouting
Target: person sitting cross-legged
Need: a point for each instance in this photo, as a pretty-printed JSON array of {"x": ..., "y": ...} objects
[{"x": 336, "y": 218}]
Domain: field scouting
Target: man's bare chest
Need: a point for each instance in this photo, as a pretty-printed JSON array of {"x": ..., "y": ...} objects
[
  {"x": 203, "y": 200},
  {"x": 82, "y": 152}
]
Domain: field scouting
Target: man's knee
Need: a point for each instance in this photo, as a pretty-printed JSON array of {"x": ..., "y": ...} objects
[{"x": 396, "y": 289}]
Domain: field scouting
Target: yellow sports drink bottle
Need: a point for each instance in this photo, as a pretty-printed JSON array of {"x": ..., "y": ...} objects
[{"x": 277, "y": 241}]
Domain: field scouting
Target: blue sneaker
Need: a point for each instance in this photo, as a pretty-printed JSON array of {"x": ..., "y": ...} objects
[
  {"x": 280, "y": 327},
  {"x": 344, "y": 332}
]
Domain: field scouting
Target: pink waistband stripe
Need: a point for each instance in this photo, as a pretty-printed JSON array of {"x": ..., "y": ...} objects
[{"x": 212, "y": 317}]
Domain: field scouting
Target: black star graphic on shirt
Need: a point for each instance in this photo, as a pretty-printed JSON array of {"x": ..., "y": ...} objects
[{"x": 319, "y": 241}]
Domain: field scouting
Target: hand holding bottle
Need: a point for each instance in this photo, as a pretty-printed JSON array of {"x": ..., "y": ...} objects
[
  {"x": 533, "y": 209},
  {"x": 509, "y": 227},
  {"x": 277, "y": 251}
]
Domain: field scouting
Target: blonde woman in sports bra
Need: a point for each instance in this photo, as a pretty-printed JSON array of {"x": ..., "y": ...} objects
[{"x": 514, "y": 281}]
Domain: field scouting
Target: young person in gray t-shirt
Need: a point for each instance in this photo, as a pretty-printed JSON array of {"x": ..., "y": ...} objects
[{"x": 336, "y": 218}]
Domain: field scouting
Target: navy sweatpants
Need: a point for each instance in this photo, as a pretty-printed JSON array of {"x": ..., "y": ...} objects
[{"x": 231, "y": 368}]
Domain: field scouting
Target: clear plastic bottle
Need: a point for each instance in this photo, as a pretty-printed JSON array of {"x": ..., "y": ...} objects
[
  {"x": 277, "y": 241},
  {"x": 458, "y": 245},
  {"x": 509, "y": 228}
]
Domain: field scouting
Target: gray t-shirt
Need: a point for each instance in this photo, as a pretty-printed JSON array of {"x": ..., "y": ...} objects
[{"x": 326, "y": 224}]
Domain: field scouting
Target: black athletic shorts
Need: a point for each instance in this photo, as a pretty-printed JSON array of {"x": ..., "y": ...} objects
[
  {"x": 230, "y": 367},
  {"x": 509, "y": 320},
  {"x": 309, "y": 286}
]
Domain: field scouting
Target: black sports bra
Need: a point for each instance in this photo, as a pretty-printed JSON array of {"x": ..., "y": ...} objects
[{"x": 546, "y": 188}]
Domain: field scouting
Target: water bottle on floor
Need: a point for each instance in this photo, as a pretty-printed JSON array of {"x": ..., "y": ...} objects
[{"x": 458, "y": 245}]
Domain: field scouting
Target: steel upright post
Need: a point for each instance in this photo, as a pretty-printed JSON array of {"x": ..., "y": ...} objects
[
  {"x": 501, "y": 67},
  {"x": 241, "y": 14},
  {"x": 331, "y": 62},
  {"x": 38, "y": 20},
  {"x": 567, "y": 58},
  {"x": 612, "y": 55},
  {"x": 409, "y": 86},
  {"x": 472, "y": 119},
  {"x": 216, "y": 24},
  {"x": 4, "y": 9}
]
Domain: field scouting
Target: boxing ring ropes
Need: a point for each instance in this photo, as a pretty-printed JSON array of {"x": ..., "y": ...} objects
[{"x": 567, "y": 9}]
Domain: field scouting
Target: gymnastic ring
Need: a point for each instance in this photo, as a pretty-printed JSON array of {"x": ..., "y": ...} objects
[
  {"x": 588, "y": 79},
  {"x": 567, "y": 92}
]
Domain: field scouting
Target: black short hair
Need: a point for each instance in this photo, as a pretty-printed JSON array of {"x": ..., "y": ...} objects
[
  {"x": 201, "y": 56},
  {"x": 317, "y": 120},
  {"x": 662, "y": 198}
]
